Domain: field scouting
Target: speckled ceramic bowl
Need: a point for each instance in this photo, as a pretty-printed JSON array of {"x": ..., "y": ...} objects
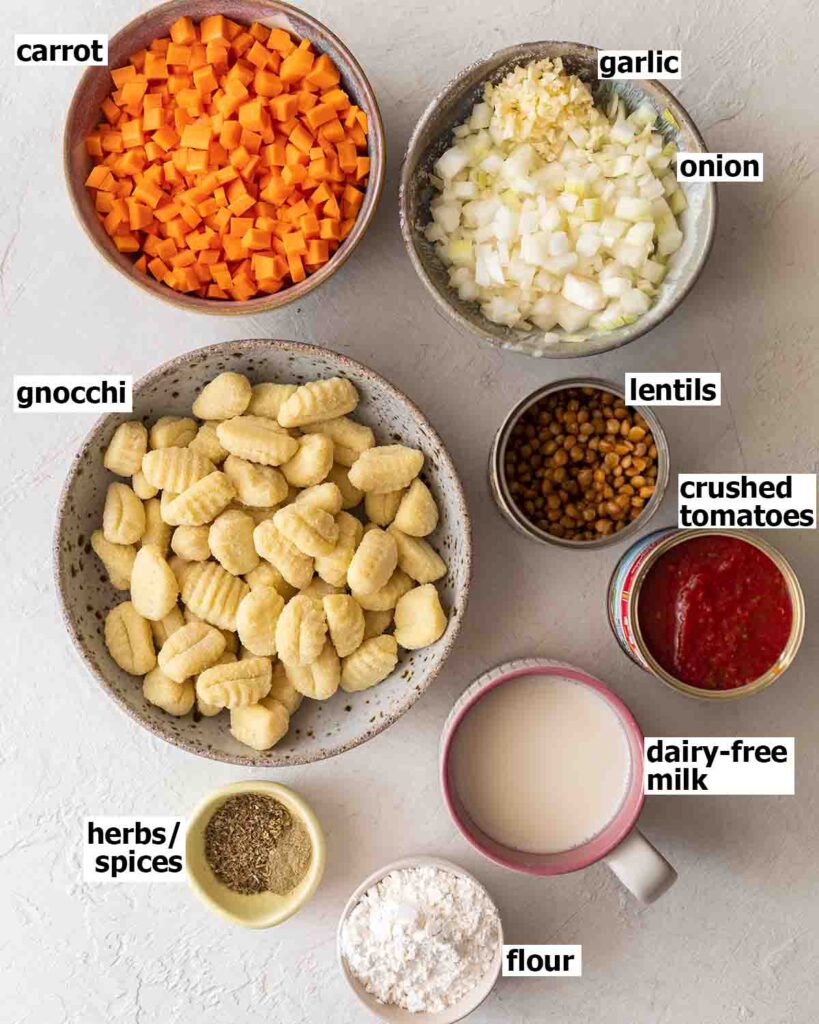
[
  {"x": 433, "y": 134},
  {"x": 95, "y": 85},
  {"x": 320, "y": 728}
]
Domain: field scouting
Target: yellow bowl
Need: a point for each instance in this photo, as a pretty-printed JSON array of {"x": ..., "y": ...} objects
[{"x": 259, "y": 910}]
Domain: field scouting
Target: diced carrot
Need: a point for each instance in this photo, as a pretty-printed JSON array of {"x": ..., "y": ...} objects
[
  {"x": 347, "y": 156},
  {"x": 213, "y": 27},
  {"x": 183, "y": 31},
  {"x": 258, "y": 56},
  {"x": 301, "y": 138},
  {"x": 296, "y": 65},
  {"x": 156, "y": 66},
  {"x": 252, "y": 114},
  {"x": 337, "y": 99},
  {"x": 330, "y": 229},
  {"x": 319, "y": 115},
  {"x": 323, "y": 74},
  {"x": 267, "y": 84},
  {"x": 296, "y": 268},
  {"x": 318, "y": 251},
  {"x": 281, "y": 41}
]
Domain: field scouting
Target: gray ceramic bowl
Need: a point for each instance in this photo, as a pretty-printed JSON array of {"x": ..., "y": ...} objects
[
  {"x": 95, "y": 85},
  {"x": 433, "y": 134},
  {"x": 319, "y": 728}
]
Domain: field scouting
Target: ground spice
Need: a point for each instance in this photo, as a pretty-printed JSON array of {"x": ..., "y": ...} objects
[{"x": 253, "y": 845}]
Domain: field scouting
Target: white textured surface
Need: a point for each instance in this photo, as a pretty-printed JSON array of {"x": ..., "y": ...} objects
[{"x": 735, "y": 940}]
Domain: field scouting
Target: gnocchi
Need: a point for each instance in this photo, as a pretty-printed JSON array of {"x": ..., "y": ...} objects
[
  {"x": 281, "y": 525},
  {"x": 256, "y": 486},
  {"x": 257, "y": 439},
  {"x": 371, "y": 663},
  {"x": 226, "y": 396},
  {"x": 126, "y": 448},
  {"x": 301, "y": 630},
  {"x": 419, "y": 618},
  {"x": 345, "y": 622},
  {"x": 390, "y": 467},
  {"x": 129, "y": 639},
  {"x": 318, "y": 401},
  {"x": 256, "y": 620},
  {"x": 123, "y": 517},
  {"x": 191, "y": 649},
  {"x": 311, "y": 463},
  {"x": 235, "y": 684},
  {"x": 417, "y": 514}
]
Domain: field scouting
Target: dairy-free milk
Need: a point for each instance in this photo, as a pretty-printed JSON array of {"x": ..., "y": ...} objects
[{"x": 541, "y": 764}]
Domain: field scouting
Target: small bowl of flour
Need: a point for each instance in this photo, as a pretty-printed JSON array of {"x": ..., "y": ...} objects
[{"x": 420, "y": 940}]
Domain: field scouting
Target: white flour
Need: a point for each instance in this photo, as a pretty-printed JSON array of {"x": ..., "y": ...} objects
[{"x": 421, "y": 938}]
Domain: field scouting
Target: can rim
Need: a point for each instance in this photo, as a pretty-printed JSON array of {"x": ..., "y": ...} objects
[
  {"x": 786, "y": 656},
  {"x": 505, "y": 502}
]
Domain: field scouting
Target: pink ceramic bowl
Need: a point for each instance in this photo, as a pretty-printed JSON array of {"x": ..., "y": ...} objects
[
  {"x": 95, "y": 84},
  {"x": 635, "y": 861}
]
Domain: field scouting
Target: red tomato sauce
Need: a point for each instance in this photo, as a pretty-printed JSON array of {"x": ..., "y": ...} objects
[{"x": 715, "y": 612}]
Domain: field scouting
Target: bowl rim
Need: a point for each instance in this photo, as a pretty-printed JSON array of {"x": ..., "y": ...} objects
[
  {"x": 422, "y": 860},
  {"x": 206, "y": 808},
  {"x": 262, "y": 303},
  {"x": 644, "y": 324},
  {"x": 284, "y": 347}
]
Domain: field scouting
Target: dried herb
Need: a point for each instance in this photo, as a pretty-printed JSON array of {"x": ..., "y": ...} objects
[{"x": 253, "y": 845}]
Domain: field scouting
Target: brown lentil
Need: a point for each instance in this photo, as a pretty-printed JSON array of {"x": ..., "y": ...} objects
[{"x": 581, "y": 464}]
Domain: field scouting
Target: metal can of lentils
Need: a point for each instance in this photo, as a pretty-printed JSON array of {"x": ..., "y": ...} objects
[
  {"x": 624, "y": 592},
  {"x": 499, "y": 484}
]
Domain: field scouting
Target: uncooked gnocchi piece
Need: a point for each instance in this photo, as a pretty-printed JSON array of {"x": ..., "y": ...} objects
[
  {"x": 319, "y": 680},
  {"x": 387, "y": 597},
  {"x": 201, "y": 503},
  {"x": 174, "y": 698},
  {"x": 157, "y": 531},
  {"x": 370, "y": 664},
  {"x": 191, "y": 543},
  {"x": 417, "y": 558},
  {"x": 141, "y": 488},
  {"x": 301, "y": 631},
  {"x": 325, "y": 496},
  {"x": 417, "y": 514},
  {"x": 202, "y": 706},
  {"x": 376, "y": 623},
  {"x": 166, "y": 499},
  {"x": 345, "y": 621},
  {"x": 256, "y": 620},
  {"x": 226, "y": 396},
  {"x": 282, "y": 690},
  {"x": 126, "y": 448},
  {"x": 390, "y": 467},
  {"x": 118, "y": 559},
  {"x": 419, "y": 618},
  {"x": 154, "y": 589},
  {"x": 349, "y": 438},
  {"x": 295, "y": 567},
  {"x": 190, "y": 650},
  {"x": 257, "y": 439},
  {"x": 267, "y": 399},
  {"x": 267, "y": 575},
  {"x": 317, "y": 401},
  {"x": 213, "y": 594},
  {"x": 381, "y": 508},
  {"x": 333, "y": 568},
  {"x": 207, "y": 443},
  {"x": 261, "y": 725},
  {"x": 123, "y": 517},
  {"x": 173, "y": 432},
  {"x": 373, "y": 563},
  {"x": 179, "y": 567},
  {"x": 175, "y": 469},
  {"x": 167, "y": 625},
  {"x": 231, "y": 541},
  {"x": 311, "y": 463},
  {"x": 257, "y": 486},
  {"x": 129, "y": 640},
  {"x": 312, "y": 530},
  {"x": 236, "y": 684},
  {"x": 351, "y": 496}
]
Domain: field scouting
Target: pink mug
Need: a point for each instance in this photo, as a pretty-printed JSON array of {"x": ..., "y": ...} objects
[{"x": 638, "y": 865}]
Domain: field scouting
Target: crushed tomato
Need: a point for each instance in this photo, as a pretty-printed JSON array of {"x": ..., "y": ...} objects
[{"x": 715, "y": 612}]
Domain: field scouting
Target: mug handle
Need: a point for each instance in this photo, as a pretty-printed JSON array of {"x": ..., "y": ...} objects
[{"x": 641, "y": 867}]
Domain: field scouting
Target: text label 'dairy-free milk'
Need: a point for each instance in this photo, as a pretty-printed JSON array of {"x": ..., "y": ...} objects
[{"x": 541, "y": 764}]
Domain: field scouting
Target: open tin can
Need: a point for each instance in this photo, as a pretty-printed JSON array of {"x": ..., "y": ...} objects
[
  {"x": 500, "y": 487},
  {"x": 624, "y": 594}
]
